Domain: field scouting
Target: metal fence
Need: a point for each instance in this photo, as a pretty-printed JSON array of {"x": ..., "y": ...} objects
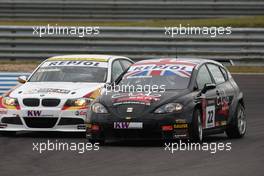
[
  {"x": 86, "y": 10},
  {"x": 18, "y": 42},
  {"x": 9, "y": 80}
]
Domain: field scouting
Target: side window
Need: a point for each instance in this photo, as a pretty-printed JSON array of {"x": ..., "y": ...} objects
[
  {"x": 224, "y": 73},
  {"x": 203, "y": 77},
  {"x": 116, "y": 69},
  {"x": 216, "y": 73},
  {"x": 126, "y": 64}
]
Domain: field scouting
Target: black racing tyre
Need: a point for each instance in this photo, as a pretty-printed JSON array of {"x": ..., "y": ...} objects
[
  {"x": 8, "y": 133},
  {"x": 238, "y": 125},
  {"x": 196, "y": 128},
  {"x": 93, "y": 139}
]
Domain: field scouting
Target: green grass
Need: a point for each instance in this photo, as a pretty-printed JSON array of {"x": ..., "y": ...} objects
[
  {"x": 255, "y": 21},
  {"x": 246, "y": 69}
]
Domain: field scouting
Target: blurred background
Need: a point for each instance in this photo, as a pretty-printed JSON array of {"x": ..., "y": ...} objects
[{"x": 133, "y": 28}]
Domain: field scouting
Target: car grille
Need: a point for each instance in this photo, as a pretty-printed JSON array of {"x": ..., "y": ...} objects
[
  {"x": 47, "y": 102},
  {"x": 32, "y": 102},
  {"x": 137, "y": 110},
  {"x": 12, "y": 120},
  {"x": 40, "y": 122},
  {"x": 50, "y": 102},
  {"x": 70, "y": 121}
]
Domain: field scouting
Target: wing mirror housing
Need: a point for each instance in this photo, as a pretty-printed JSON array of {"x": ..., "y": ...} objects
[
  {"x": 22, "y": 79},
  {"x": 208, "y": 86}
]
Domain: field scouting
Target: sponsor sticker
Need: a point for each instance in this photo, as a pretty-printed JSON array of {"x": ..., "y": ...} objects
[
  {"x": 3, "y": 112},
  {"x": 161, "y": 68},
  {"x": 132, "y": 98},
  {"x": 38, "y": 113},
  {"x": 48, "y": 90},
  {"x": 210, "y": 116},
  {"x": 33, "y": 113},
  {"x": 181, "y": 125},
  {"x": 128, "y": 125},
  {"x": 81, "y": 113},
  {"x": 81, "y": 63}
]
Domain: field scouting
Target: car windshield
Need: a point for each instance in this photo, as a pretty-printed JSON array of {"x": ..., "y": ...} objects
[
  {"x": 169, "y": 77},
  {"x": 69, "y": 73}
]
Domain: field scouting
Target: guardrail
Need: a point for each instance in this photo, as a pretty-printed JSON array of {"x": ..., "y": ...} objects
[
  {"x": 9, "y": 80},
  {"x": 18, "y": 42},
  {"x": 126, "y": 9}
]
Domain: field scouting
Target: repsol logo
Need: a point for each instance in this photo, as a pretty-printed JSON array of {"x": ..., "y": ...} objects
[
  {"x": 74, "y": 63},
  {"x": 33, "y": 113}
]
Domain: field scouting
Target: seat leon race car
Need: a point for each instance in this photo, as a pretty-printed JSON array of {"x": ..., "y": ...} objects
[
  {"x": 169, "y": 99},
  {"x": 57, "y": 95}
]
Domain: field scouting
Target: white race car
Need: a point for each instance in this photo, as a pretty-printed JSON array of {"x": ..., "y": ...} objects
[{"x": 57, "y": 95}]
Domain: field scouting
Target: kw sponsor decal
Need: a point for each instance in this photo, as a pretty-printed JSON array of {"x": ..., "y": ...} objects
[
  {"x": 33, "y": 113},
  {"x": 128, "y": 125}
]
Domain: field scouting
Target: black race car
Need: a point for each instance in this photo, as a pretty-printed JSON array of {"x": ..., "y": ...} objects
[{"x": 169, "y": 99}]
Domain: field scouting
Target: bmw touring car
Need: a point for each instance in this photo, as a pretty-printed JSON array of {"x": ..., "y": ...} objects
[
  {"x": 57, "y": 95},
  {"x": 185, "y": 99}
]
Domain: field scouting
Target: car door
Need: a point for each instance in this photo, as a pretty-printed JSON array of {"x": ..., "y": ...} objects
[
  {"x": 208, "y": 100},
  {"x": 225, "y": 92}
]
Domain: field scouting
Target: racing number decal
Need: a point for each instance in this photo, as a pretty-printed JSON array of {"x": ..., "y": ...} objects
[{"x": 210, "y": 117}]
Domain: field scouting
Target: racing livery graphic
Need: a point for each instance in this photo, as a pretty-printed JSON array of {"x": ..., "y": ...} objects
[
  {"x": 200, "y": 98},
  {"x": 58, "y": 94}
]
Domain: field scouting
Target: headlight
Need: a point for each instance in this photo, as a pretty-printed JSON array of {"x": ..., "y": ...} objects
[
  {"x": 168, "y": 108},
  {"x": 99, "y": 108},
  {"x": 9, "y": 101},
  {"x": 78, "y": 102}
]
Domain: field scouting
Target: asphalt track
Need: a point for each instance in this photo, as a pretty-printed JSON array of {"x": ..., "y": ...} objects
[{"x": 144, "y": 158}]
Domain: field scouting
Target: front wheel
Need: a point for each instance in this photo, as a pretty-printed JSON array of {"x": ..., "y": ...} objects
[
  {"x": 237, "y": 128},
  {"x": 196, "y": 130}
]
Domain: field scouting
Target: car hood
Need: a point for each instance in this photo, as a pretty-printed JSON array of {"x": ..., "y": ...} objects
[
  {"x": 144, "y": 98},
  {"x": 54, "y": 89}
]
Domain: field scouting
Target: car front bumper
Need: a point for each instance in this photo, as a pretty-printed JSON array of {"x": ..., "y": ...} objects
[
  {"x": 151, "y": 126},
  {"x": 48, "y": 120}
]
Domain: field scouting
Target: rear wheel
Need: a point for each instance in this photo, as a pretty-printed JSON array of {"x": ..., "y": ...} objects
[
  {"x": 196, "y": 131},
  {"x": 237, "y": 128}
]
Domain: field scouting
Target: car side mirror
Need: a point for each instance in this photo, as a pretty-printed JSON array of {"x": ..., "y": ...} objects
[
  {"x": 208, "y": 86},
  {"x": 22, "y": 79}
]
